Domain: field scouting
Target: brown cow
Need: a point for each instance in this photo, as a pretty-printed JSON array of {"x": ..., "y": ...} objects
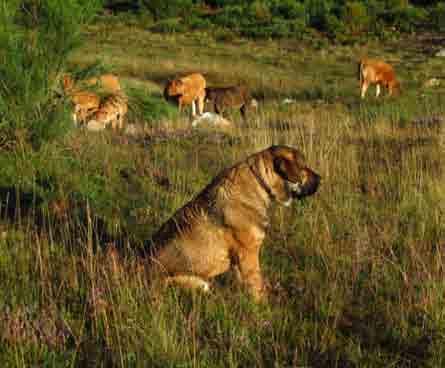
[
  {"x": 107, "y": 82},
  {"x": 85, "y": 102},
  {"x": 377, "y": 72},
  {"x": 188, "y": 90},
  {"x": 236, "y": 97},
  {"x": 111, "y": 111},
  {"x": 84, "y": 97}
]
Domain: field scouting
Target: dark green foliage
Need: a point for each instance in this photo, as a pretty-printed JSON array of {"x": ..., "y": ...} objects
[
  {"x": 438, "y": 15},
  {"x": 341, "y": 20},
  {"x": 170, "y": 25},
  {"x": 36, "y": 38},
  {"x": 171, "y": 8}
]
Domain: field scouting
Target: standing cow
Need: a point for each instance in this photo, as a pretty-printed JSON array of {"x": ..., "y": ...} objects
[
  {"x": 188, "y": 90},
  {"x": 377, "y": 72},
  {"x": 233, "y": 97}
]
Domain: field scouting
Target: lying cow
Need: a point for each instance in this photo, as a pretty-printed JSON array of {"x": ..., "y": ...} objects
[
  {"x": 379, "y": 73},
  {"x": 188, "y": 90},
  {"x": 235, "y": 97},
  {"x": 107, "y": 82},
  {"x": 83, "y": 93}
]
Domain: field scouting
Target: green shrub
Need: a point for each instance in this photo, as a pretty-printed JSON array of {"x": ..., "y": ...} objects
[
  {"x": 165, "y": 9},
  {"x": 288, "y": 9},
  {"x": 224, "y": 35},
  {"x": 29, "y": 68},
  {"x": 195, "y": 22},
  {"x": 355, "y": 15},
  {"x": 230, "y": 17},
  {"x": 145, "y": 107},
  {"x": 318, "y": 12},
  {"x": 171, "y": 25},
  {"x": 438, "y": 16},
  {"x": 259, "y": 11},
  {"x": 335, "y": 28},
  {"x": 405, "y": 18},
  {"x": 225, "y": 3}
]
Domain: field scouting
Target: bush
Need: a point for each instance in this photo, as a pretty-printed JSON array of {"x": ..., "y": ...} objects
[
  {"x": 230, "y": 17},
  {"x": 288, "y": 9},
  {"x": 224, "y": 3},
  {"x": 164, "y": 9},
  {"x": 406, "y": 18},
  {"x": 195, "y": 22},
  {"x": 259, "y": 11},
  {"x": 318, "y": 12},
  {"x": 171, "y": 25},
  {"x": 144, "y": 106},
  {"x": 355, "y": 15},
  {"x": 438, "y": 16},
  {"x": 30, "y": 70}
]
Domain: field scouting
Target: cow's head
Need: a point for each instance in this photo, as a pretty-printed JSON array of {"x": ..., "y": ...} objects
[{"x": 175, "y": 87}]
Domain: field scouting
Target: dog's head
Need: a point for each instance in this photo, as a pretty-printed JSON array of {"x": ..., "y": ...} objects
[{"x": 293, "y": 179}]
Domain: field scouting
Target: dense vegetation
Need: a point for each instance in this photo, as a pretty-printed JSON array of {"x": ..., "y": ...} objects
[
  {"x": 344, "y": 21},
  {"x": 356, "y": 273}
]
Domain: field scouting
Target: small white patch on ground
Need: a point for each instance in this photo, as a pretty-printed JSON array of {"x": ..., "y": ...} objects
[
  {"x": 433, "y": 82},
  {"x": 211, "y": 119}
]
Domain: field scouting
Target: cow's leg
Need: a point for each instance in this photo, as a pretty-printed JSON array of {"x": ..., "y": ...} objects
[
  {"x": 201, "y": 105},
  {"x": 390, "y": 89},
  {"x": 193, "y": 108},
  {"x": 377, "y": 90},
  {"x": 243, "y": 111},
  {"x": 365, "y": 86}
]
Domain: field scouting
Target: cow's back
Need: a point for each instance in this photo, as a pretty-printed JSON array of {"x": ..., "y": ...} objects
[
  {"x": 194, "y": 85},
  {"x": 376, "y": 71},
  {"x": 108, "y": 82}
]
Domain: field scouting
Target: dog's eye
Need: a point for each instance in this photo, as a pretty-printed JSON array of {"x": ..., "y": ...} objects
[{"x": 282, "y": 167}]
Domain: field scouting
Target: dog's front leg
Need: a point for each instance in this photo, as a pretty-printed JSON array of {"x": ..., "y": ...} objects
[{"x": 250, "y": 272}]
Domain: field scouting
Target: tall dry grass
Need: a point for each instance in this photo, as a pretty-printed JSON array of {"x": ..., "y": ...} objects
[{"x": 356, "y": 272}]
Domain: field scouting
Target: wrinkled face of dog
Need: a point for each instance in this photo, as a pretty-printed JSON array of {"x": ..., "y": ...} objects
[{"x": 299, "y": 180}]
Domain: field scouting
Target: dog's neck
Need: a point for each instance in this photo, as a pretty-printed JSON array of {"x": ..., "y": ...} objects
[{"x": 262, "y": 183}]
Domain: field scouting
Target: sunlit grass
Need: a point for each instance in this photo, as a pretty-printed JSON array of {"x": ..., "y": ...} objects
[{"x": 356, "y": 272}]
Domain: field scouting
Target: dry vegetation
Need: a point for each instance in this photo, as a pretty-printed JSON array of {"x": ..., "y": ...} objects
[{"x": 356, "y": 272}]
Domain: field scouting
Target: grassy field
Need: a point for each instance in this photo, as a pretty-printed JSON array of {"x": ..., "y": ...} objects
[{"x": 356, "y": 272}]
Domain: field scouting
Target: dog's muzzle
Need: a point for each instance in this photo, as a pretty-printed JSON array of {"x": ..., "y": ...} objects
[{"x": 307, "y": 186}]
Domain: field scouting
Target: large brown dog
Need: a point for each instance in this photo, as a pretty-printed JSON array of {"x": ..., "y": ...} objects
[
  {"x": 225, "y": 224},
  {"x": 188, "y": 90},
  {"x": 379, "y": 73},
  {"x": 234, "y": 97}
]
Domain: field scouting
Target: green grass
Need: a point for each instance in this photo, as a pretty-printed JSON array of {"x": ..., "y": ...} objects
[{"x": 356, "y": 272}]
